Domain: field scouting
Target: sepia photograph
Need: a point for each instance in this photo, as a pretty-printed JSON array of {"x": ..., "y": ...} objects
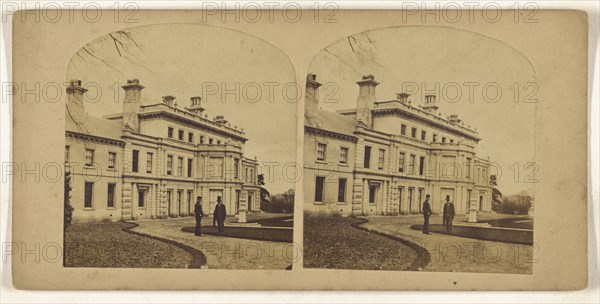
[
  {"x": 301, "y": 147},
  {"x": 167, "y": 128},
  {"x": 411, "y": 138}
]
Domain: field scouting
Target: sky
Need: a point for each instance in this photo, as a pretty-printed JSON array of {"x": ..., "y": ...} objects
[
  {"x": 186, "y": 60},
  {"x": 483, "y": 80}
]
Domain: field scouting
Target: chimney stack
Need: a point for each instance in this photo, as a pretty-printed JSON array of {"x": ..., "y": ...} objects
[
  {"x": 75, "y": 100},
  {"x": 366, "y": 99},
  {"x": 195, "y": 105},
  {"x": 311, "y": 98},
  {"x": 168, "y": 100},
  {"x": 220, "y": 119},
  {"x": 131, "y": 104},
  {"x": 402, "y": 97},
  {"x": 430, "y": 104},
  {"x": 453, "y": 118}
]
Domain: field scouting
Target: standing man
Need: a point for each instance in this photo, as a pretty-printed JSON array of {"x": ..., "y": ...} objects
[
  {"x": 448, "y": 214},
  {"x": 426, "y": 214},
  {"x": 219, "y": 215},
  {"x": 199, "y": 214}
]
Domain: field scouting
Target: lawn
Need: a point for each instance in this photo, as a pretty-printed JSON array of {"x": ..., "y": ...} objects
[
  {"x": 332, "y": 242},
  {"x": 105, "y": 244},
  {"x": 250, "y": 233}
]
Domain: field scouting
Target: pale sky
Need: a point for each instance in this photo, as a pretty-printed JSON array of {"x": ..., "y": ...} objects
[
  {"x": 454, "y": 59},
  {"x": 192, "y": 60}
]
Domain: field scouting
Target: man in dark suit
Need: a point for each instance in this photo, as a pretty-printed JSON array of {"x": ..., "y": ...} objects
[
  {"x": 219, "y": 215},
  {"x": 426, "y": 214},
  {"x": 448, "y": 214},
  {"x": 199, "y": 214}
]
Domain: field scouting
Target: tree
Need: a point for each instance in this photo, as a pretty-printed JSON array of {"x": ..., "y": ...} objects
[
  {"x": 517, "y": 204},
  {"x": 283, "y": 202},
  {"x": 261, "y": 179},
  {"x": 68, "y": 209},
  {"x": 496, "y": 194}
]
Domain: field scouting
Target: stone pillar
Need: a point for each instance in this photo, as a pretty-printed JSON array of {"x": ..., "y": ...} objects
[
  {"x": 243, "y": 206},
  {"x": 473, "y": 209}
]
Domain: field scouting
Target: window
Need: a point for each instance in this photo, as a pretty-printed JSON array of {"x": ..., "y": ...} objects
[
  {"x": 434, "y": 138},
  {"x": 411, "y": 165},
  {"x": 238, "y": 194},
  {"x": 421, "y": 165},
  {"x": 110, "y": 201},
  {"x": 218, "y": 141},
  {"x": 251, "y": 176},
  {"x": 180, "y": 135},
  {"x": 180, "y": 166},
  {"x": 402, "y": 129},
  {"x": 149, "y": 156},
  {"x": 321, "y": 151},
  {"x": 400, "y": 198},
  {"x": 169, "y": 202},
  {"x": 451, "y": 141},
  {"x": 141, "y": 198},
  {"x": 169, "y": 164},
  {"x": 67, "y": 154},
  {"x": 319, "y": 187},
  {"x": 423, "y": 135},
  {"x": 201, "y": 139},
  {"x": 89, "y": 157},
  {"x": 236, "y": 168},
  {"x": 189, "y": 167},
  {"x": 372, "y": 194},
  {"x": 89, "y": 195},
  {"x": 112, "y": 159},
  {"x": 381, "y": 159},
  {"x": 468, "y": 168},
  {"x": 191, "y": 137},
  {"x": 342, "y": 190},
  {"x": 410, "y": 199},
  {"x": 413, "y": 132},
  {"x": 367, "y": 160},
  {"x": 210, "y": 141},
  {"x": 134, "y": 160},
  {"x": 343, "y": 155},
  {"x": 443, "y": 139},
  {"x": 170, "y": 132},
  {"x": 401, "y": 160}
]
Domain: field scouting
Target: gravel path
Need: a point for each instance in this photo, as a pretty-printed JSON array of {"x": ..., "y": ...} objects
[
  {"x": 223, "y": 252},
  {"x": 457, "y": 254}
]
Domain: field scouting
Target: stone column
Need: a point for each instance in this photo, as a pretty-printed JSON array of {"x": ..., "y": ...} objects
[{"x": 473, "y": 208}]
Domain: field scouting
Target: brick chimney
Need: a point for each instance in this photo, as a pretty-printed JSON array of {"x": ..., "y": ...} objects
[
  {"x": 131, "y": 104},
  {"x": 75, "y": 106},
  {"x": 195, "y": 105},
  {"x": 311, "y": 95},
  {"x": 366, "y": 99}
]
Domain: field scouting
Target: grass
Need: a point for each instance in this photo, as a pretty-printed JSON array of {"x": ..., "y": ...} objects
[
  {"x": 106, "y": 244},
  {"x": 332, "y": 242},
  {"x": 250, "y": 233},
  {"x": 284, "y": 221}
]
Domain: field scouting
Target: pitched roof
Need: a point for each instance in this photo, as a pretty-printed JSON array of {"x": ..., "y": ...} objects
[
  {"x": 95, "y": 126},
  {"x": 331, "y": 121}
]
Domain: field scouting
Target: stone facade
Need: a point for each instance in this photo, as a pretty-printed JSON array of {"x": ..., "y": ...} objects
[
  {"x": 383, "y": 157},
  {"x": 154, "y": 159}
]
